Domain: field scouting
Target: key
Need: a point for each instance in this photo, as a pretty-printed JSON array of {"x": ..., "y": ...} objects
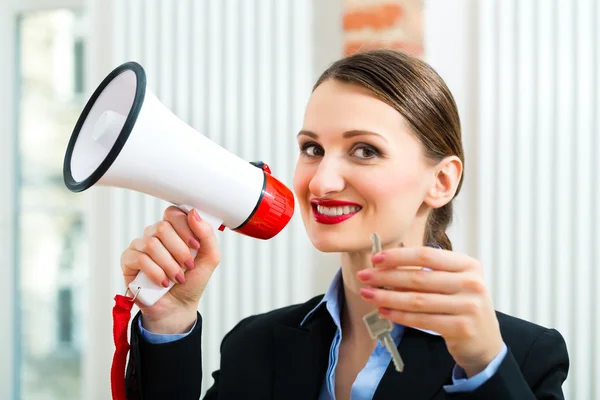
[
  {"x": 376, "y": 240},
  {"x": 379, "y": 328},
  {"x": 376, "y": 248}
]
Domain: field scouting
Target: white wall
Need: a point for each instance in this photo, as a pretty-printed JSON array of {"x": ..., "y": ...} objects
[{"x": 527, "y": 79}]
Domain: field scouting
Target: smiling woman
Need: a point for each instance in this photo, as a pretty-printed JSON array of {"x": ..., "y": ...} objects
[{"x": 380, "y": 151}]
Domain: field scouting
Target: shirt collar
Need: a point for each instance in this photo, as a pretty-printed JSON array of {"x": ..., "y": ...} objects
[
  {"x": 332, "y": 300},
  {"x": 334, "y": 297}
]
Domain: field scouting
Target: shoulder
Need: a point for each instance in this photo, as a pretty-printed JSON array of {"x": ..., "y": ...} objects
[
  {"x": 259, "y": 326},
  {"x": 517, "y": 330},
  {"x": 531, "y": 342},
  {"x": 290, "y": 315}
]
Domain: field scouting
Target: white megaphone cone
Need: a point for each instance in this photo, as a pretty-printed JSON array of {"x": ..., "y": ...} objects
[{"x": 125, "y": 137}]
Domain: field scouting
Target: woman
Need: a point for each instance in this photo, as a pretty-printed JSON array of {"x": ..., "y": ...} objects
[{"x": 380, "y": 151}]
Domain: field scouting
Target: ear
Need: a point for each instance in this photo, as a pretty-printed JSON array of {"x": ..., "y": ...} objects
[{"x": 446, "y": 178}]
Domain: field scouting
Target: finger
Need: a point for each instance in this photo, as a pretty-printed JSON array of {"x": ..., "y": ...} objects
[
  {"x": 179, "y": 221},
  {"x": 209, "y": 248},
  {"x": 173, "y": 242},
  {"x": 415, "y": 280},
  {"x": 133, "y": 261},
  {"x": 154, "y": 248},
  {"x": 448, "y": 326},
  {"x": 424, "y": 256},
  {"x": 429, "y": 303}
]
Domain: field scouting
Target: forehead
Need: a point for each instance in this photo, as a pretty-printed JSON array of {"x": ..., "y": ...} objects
[{"x": 336, "y": 107}]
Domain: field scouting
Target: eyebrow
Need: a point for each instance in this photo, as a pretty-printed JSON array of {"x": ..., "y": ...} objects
[{"x": 346, "y": 135}]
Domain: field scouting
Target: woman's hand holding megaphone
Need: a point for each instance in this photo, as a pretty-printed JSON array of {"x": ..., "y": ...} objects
[{"x": 164, "y": 249}]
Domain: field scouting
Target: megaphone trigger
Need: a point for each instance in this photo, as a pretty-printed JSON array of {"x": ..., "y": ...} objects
[{"x": 261, "y": 165}]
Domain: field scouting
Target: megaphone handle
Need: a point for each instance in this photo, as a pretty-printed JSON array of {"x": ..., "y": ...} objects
[{"x": 148, "y": 292}]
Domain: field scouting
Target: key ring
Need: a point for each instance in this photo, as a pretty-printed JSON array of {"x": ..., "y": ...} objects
[{"x": 136, "y": 293}]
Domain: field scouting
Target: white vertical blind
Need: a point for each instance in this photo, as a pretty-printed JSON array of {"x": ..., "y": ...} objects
[
  {"x": 594, "y": 280},
  {"x": 239, "y": 72},
  {"x": 545, "y": 82},
  {"x": 524, "y": 146},
  {"x": 585, "y": 108},
  {"x": 537, "y": 161},
  {"x": 9, "y": 359}
]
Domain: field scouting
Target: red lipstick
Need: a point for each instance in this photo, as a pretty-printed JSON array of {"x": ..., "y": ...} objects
[{"x": 333, "y": 219}]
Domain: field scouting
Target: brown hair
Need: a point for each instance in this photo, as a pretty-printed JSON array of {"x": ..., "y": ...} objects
[{"x": 417, "y": 92}]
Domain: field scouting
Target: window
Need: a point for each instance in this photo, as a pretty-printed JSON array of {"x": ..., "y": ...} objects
[{"x": 50, "y": 233}]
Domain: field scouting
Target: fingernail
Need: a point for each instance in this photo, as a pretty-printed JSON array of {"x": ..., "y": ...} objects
[
  {"x": 165, "y": 283},
  {"x": 197, "y": 216},
  {"x": 367, "y": 293},
  {"x": 365, "y": 275},
  {"x": 194, "y": 244},
  {"x": 179, "y": 278},
  {"x": 384, "y": 311},
  {"x": 377, "y": 258},
  {"x": 189, "y": 263}
]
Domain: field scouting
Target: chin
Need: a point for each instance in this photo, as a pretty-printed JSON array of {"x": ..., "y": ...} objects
[
  {"x": 337, "y": 241},
  {"x": 325, "y": 246}
]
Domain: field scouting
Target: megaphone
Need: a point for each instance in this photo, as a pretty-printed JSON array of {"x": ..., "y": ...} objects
[{"x": 125, "y": 137}]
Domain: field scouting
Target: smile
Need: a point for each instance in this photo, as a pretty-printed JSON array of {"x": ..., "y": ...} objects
[
  {"x": 332, "y": 211},
  {"x": 335, "y": 211}
]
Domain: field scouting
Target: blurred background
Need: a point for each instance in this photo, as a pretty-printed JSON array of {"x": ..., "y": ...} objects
[{"x": 525, "y": 74}]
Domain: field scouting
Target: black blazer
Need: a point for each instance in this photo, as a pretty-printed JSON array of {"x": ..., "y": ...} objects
[{"x": 269, "y": 356}]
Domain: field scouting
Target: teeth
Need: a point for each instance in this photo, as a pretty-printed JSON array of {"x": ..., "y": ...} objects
[{"x": 335, "y": 211}]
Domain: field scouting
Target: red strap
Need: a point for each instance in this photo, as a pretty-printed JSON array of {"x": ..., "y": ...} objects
[{"x": 121, "y": 316}]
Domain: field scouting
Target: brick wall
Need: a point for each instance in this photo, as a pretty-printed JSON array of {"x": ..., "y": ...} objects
[{"x": 378, "y": 23}]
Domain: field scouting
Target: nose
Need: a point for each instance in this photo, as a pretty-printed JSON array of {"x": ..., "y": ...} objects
[{"x": 328, "y": 178}]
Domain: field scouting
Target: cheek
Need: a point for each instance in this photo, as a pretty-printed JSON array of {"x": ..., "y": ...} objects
[
  {"x": 301, "y": 181},
  {"x": 394, "y": 189}
]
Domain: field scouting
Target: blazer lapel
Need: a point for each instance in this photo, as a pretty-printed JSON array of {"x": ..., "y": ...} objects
[
  {"x": 302, "y": 357},
  {"x": 427, "y": 367}
]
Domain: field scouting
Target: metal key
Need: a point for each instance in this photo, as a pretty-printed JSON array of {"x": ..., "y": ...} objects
[
  {"x": 376, "y": 248},
  {"x": 380, "y": 328},
  {"x": 376, "y": 240}
]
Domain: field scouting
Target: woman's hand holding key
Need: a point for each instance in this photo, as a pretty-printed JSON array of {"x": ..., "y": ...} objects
[
  {"x": 161, "y": 253},
  {"x": 450, "y": 299}
]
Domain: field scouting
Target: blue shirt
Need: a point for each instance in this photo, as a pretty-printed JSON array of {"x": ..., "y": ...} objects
[{"x": 368, "y": 378}]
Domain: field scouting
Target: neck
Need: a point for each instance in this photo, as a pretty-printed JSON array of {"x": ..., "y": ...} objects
[{"x": 355, "y": 307}]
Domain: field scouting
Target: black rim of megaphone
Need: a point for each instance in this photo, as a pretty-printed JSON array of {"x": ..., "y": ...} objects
[{"x": 138, "y": 101}]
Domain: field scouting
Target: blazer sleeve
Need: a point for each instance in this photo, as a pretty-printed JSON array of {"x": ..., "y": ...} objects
[
  {"x": 541, "y": 375},
  {"x": 170, "y": 370}
]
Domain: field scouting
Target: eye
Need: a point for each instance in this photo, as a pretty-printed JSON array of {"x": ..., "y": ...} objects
[
  {"x": 311, "y": 150},
  {"x": 366, "y": 152}
]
